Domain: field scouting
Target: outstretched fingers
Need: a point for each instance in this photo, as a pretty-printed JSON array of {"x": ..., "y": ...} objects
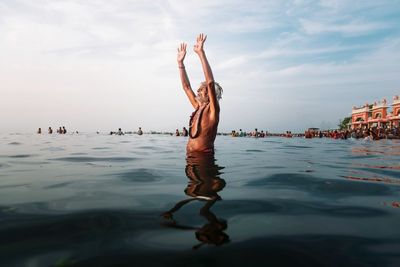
[
  {"x": 181, "y": 52},
  {"x": 201, "y": 38},
  {"x": 182, "y": 47}
]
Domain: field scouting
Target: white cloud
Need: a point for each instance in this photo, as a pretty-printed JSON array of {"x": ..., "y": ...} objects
[{"x": 352, "y": 28}]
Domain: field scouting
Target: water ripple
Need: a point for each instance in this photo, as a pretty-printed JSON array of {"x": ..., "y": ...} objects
[
  {"x": 91, "y": 159},
  {"x": 314, "y": 185},
  {"x": 21, "y": 156},
  {"x": 139, "y": 175}
]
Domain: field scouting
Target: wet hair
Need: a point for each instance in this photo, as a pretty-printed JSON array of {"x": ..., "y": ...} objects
[{"x": 218, "y": 89}]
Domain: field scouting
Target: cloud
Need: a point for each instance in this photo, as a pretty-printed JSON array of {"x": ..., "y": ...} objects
[{"x": 351, "y": 28}]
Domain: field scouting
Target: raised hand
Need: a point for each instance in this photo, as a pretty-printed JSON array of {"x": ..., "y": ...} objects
[
  {"x": 198, "y": 47},
  {"x": 181, "y": 53}
]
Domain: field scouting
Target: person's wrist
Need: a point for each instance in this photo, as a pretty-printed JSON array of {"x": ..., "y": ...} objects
[{"x": 181, "y": 65}]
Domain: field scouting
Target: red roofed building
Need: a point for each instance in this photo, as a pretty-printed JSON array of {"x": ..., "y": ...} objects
[
  {"x": 359, "y": 116},
  {"x": 376, "y": 114},
  {"x": 395, "y": 115}
]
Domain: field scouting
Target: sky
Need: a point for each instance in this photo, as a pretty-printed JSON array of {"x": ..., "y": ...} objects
[{"x": 103, "y": 65}]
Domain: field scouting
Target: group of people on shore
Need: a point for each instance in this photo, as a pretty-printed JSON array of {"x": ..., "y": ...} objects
[{"x": 60, "y": 130}]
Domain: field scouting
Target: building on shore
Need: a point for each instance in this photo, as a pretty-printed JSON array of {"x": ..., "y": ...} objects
[{"x": 376, "y": 115}]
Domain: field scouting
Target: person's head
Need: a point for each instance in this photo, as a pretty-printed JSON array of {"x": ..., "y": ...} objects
[{"x": 202, "y": 93}]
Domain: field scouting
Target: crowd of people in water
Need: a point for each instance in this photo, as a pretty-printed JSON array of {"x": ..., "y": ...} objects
[
  {"x": 254, "y": 133},
  {"x": 184, "y": 132},
  {"x": 120, "y": 132},
  {"x": 373, "y": 133},
  {"x": 60, "y": 130}
]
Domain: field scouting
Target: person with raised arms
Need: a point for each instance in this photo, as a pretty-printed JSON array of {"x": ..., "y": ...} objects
[{"x": 203, "y": 124}]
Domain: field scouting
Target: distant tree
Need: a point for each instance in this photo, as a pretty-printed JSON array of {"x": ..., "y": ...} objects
[{"x": 343, "y": 123}]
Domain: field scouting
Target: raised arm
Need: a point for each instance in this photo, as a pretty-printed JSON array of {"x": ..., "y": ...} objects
[
  {"x": 184, "y": 78},
  {"x": 198, "y": 48}
]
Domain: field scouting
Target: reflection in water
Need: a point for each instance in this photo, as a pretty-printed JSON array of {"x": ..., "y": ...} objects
[
  {"x": 374, "y": 164},
  {"x": 384, "y": 180},
  {"x": 393, "y": 150},
  {"x": 203, "y": 185},
  {"x": 394, "y": 204},
  {"x": 394, "y": 167}
]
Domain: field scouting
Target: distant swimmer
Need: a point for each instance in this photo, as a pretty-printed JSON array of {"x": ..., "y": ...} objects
[
  {"x": 256, "y": 133},
  {"x": 64, "y": 131},
  {"x": 39, "y": 131},
  {"x": 185, "y": 132},
  {"x": 119, "y": 132},
  {"x": 50, "y": 130},
  {"x": 203, "y": 124},
  {"x": 140, "y": 132}
]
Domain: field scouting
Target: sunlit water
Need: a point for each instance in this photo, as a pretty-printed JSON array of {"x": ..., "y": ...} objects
[{"x": 99, "y": 200}]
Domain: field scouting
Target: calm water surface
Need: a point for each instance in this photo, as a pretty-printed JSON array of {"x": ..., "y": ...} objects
[{"x": 99, "y": 200}]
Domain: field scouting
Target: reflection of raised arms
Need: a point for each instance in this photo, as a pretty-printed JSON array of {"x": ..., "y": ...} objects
[
  {"x": 198, "y": 48},
  {"x": 184, "y": 78},
  {"x": 169, "y": 214}
]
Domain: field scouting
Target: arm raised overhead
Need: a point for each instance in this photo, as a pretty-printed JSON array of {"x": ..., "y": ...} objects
[
  {"x": 210, "y": 83},
  {"x": 184, "y": 77}
]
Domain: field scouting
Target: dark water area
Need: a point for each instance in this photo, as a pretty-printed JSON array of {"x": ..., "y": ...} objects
[{"x": 98, "y": 200}]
